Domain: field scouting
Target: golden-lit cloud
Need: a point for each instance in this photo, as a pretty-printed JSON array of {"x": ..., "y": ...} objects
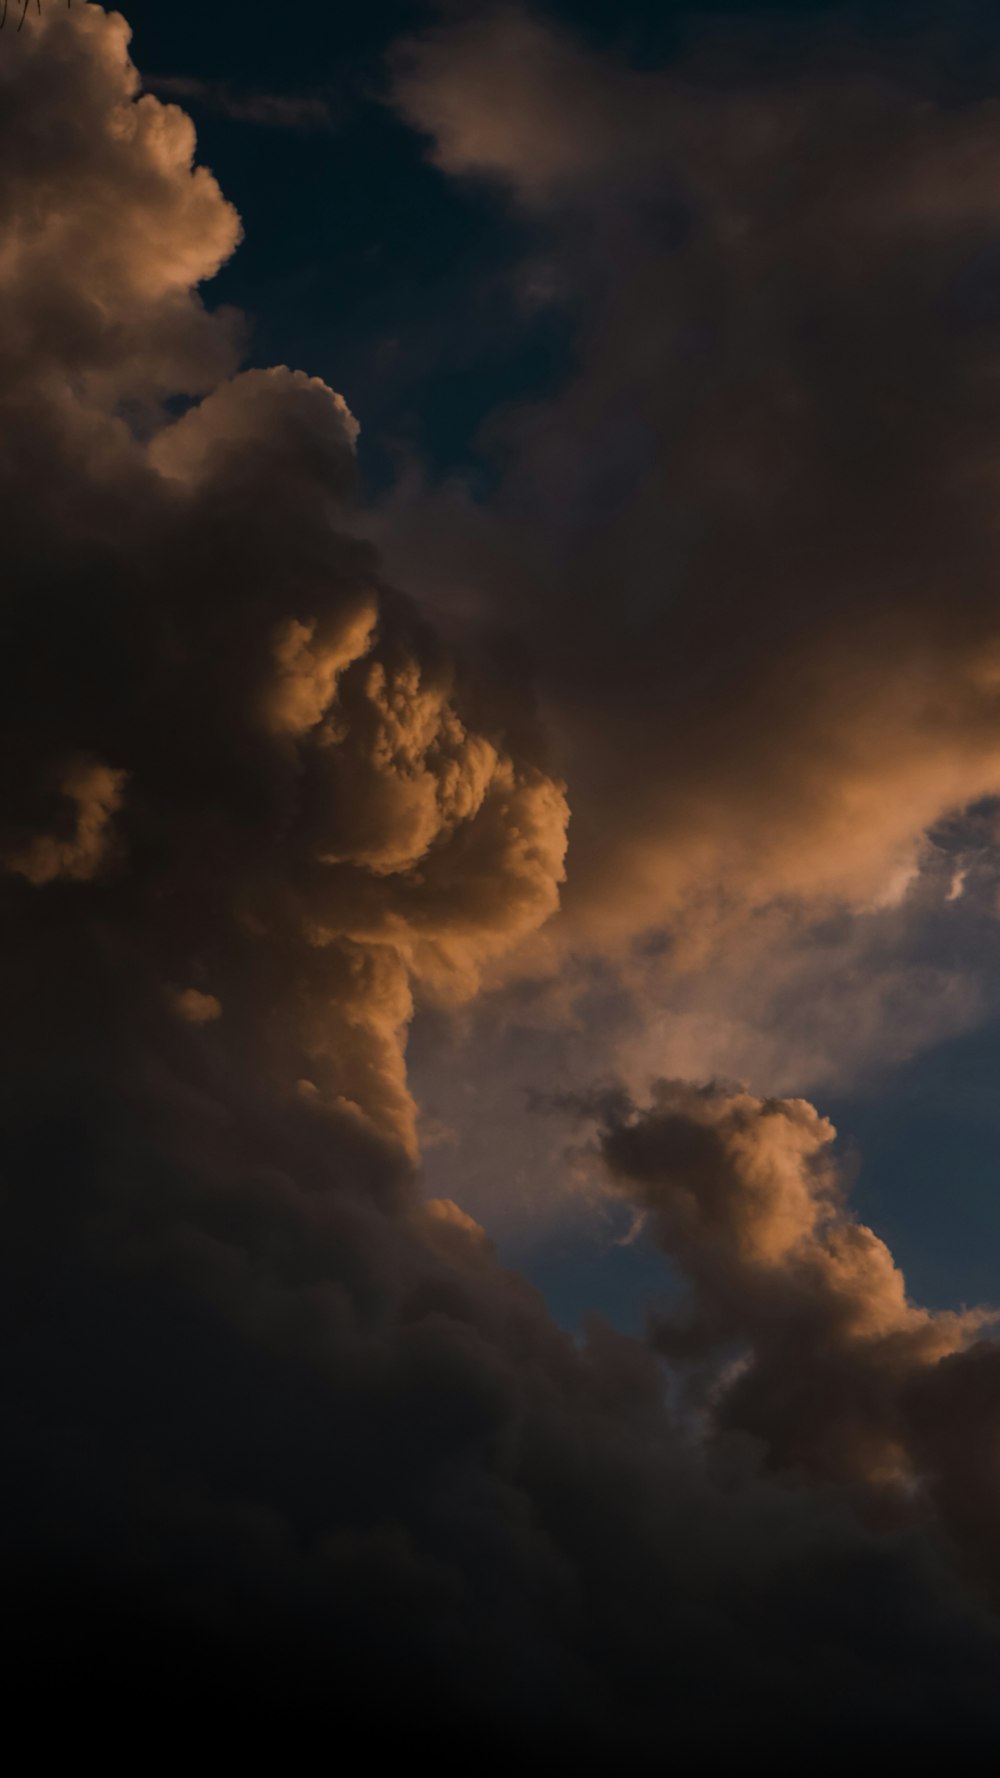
[
  {"x": 745, "y": 1195},
  {"x": 93, "y": 794}
]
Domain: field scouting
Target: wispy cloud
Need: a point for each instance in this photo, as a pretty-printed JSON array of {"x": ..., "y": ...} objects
[{"x": 279, "y": 111}]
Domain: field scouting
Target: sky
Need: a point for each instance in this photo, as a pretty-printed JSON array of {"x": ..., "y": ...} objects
[{"x": 500, "y": 830}]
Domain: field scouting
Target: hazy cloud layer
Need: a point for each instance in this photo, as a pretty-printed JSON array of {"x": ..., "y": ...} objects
[{"x": 752, "y": 542}]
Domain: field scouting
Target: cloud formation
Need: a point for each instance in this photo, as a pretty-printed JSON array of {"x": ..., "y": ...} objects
[
  {"x": 284, "y": 1442},
  {"x": 286, "y": 727},
  {"x": 745, "y": 1196},
  {"x": 751, "y": 542},
  {"x": 93, "y": 793},
  {"x": 280, "y": 111}
]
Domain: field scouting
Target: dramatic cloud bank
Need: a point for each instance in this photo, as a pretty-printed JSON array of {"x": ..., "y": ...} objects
[
  {"x": 285, "y": 1448},
  {"x": 212, "y": 704}
]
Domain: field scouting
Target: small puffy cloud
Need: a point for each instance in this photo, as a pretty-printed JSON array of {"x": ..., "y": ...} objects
[
  {"x": 504, "y": 96},
  {"x": 194, "y": 1006},
  {"x": 284, "y": 415}
]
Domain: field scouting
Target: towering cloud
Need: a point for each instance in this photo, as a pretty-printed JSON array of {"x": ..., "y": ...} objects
[
  {"x": 213, "y": 703},
  {"x": 282, "y": 1439}
]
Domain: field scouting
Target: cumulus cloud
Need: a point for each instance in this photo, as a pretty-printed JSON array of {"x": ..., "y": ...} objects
[
  {"x": 503, "y": 96},
  {"x": 107, "y": 231},
  {"x": 198, "y": 1008},
  {"x": 280, "y": 111},
  {"x": 745, "y": 1196},
  {"x": 287, "y": 726},
  {"x": 282, "y": 1440}
]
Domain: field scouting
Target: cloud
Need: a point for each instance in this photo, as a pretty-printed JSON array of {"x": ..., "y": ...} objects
[
  {"x": 504, "y": 96},
  {"x": 196, "y": 1007},
  {"x": 266, "y": 666},
  {"x": 279, "y": 111},
  {"x": 286, "y": 1448},
  {"x": 744, "y": 1195},
  {"x": 798, "y": 1008},
  {"x": 838, "y": 1374},
  {"x": 749, "y": 542},
  {"x": 94, "y": 793},
  {"x": 115, "y": 195}
]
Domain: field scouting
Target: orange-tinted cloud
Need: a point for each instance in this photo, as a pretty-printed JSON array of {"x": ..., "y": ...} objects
[
  {"x": 383, "y": 840},
  {"x": 279, "y": 111},
  {"x": 750, "y": 542},
  {"x": 94, "y": 794},
  {"x": 282, "y": 1445}
]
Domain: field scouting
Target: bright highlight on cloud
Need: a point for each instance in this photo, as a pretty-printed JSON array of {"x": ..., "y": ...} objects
[{"x": 271, "y": 1415}]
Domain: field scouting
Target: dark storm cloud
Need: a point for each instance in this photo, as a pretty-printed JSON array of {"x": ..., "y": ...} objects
[{"x": 282, "y": 1441}]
